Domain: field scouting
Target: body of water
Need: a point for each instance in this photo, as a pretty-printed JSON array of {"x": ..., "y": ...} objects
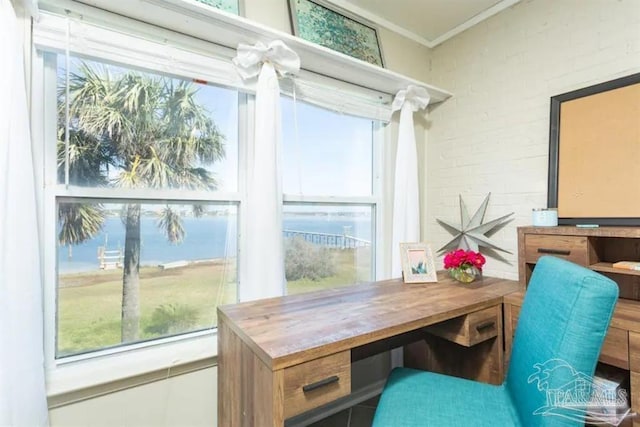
[{"x": 206, "y": 238}]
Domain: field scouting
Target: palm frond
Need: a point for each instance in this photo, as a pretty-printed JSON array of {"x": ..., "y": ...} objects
[
  {"x": 198, "y": 210},
  {"x": 79, "y": 222},
  {"x": 171, "y": 224}
]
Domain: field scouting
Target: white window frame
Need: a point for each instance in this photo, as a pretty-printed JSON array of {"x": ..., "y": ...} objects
[{"x": 83, "y": 371}]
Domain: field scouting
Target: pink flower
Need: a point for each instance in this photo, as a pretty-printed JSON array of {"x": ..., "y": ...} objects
[{"x": 461, "y": 258}]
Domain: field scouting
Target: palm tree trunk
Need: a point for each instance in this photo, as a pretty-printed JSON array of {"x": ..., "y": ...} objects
[{"x": 131, "y": 276}]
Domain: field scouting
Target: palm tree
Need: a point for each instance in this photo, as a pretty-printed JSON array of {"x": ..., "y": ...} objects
[
  {"x": 156, "y": 135},
  {"x": 79, "y": 223}
]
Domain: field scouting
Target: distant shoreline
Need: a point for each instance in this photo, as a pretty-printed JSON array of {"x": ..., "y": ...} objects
[
  {"x": 205, "y": 238},
  {"x": 149, "y": 265},
  {"x": 99, "y": 276}
]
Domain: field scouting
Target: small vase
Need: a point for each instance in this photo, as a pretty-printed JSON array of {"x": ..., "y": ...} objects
[{"x": 465, "y": 274}]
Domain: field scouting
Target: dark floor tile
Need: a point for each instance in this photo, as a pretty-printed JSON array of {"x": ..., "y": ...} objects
[
  {"x": 341, "y": 419},
  {"x": 362, "y": 416}
]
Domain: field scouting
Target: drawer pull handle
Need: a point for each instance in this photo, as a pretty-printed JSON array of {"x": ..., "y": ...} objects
[
  {"x": 554, "y": 251},
  {"x": 321, "y": 383},
  {"x": 486, "y": 326}
]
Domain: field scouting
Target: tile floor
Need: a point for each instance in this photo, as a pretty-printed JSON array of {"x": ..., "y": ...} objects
[{"x": 357, "y": 416}]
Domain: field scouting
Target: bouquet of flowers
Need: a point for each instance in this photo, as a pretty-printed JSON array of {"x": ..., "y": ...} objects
[{"x": 464, "y": 265}]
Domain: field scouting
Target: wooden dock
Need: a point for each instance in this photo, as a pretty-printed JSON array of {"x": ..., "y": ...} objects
[
  {"x": 109, "y": 260},
  {"x": 340, "y": 241}
]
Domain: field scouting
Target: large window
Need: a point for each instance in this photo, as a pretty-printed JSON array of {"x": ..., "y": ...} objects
[
  {"x": 144, "y": 172},
  {"x": 131, "y": 267}
]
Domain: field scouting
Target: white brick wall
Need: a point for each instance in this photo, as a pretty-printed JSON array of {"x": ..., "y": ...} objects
[{"x": 493, "y": 135}]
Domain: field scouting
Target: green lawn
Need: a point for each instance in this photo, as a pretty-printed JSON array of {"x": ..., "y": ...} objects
[{"x": 89, "y": 303}]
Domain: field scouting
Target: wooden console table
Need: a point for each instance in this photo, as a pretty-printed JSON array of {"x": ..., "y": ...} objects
[
  {"x": 597, "y": 249},
  {"x": 280, "y": 357}
]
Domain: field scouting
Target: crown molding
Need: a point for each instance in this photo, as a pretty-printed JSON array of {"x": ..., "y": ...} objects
[
  {"x": 485, "y": 14},
  {"x": 385, "y": 23}
]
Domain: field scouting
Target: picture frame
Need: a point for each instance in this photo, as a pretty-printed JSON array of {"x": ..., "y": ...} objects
[
  {"x": 417, "y": 263},
  {"x": 323, "y": 23},
  {"x": 235, "y": 7}
]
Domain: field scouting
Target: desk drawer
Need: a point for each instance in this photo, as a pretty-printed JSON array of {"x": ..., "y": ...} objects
[
  {"x": 317, "y": 382},
  {"x": 572, "y": 248},
  {"x": 470, "y": 329}
]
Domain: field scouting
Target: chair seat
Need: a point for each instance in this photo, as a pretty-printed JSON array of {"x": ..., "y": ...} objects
[{"x": 423, "y": 399}]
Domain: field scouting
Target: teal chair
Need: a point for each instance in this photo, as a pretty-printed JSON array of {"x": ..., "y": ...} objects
[{"x": 564, "y": 319}]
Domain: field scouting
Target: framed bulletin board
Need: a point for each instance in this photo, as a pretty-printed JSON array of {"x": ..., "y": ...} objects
[{"x": 594, "y": 154}]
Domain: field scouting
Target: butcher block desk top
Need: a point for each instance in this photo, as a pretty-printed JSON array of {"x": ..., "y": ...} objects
[
  {"x": 286, "y": 331},
  {"x": 280, "y": 357}
]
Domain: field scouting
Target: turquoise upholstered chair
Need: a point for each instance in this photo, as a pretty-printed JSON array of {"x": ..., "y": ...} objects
[{"x": 563, "y": 321}]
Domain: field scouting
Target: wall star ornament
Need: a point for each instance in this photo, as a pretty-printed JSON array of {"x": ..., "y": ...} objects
[{"x": 471, "y": 231}]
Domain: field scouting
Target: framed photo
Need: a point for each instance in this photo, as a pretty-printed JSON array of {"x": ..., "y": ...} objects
[
  {"x": 417, "y": 263},
  {"x": 323, "y": 23},
  {"x": 231, "y": 6}
]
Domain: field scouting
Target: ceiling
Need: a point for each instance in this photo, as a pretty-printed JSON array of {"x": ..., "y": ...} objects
[{"x": 428, "y": 22}]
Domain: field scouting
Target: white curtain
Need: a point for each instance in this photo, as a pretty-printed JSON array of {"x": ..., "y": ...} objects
[
  {"x": 22, "y": 385},
  {"x": 406, "y": 207},
  {"x": 264, "y": 254}
]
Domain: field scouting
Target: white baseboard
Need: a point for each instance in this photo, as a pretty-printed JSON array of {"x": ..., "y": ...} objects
[{"x": 354, "y": 398}]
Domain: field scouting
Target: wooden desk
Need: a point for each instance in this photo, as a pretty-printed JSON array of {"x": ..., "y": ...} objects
[{"x": 280, "y": 357}]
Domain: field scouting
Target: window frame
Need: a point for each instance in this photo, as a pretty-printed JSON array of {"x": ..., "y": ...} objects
[
  {"x": 74, "y": 372},
  {"x": 81, "y": 371}
]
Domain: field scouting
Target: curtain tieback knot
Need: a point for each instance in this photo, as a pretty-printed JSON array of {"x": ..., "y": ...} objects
[
  {"x": 249, "y": 59},
  {"x": 416, "y": 97}
]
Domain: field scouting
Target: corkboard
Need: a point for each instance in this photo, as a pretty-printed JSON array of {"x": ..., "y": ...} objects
[{"x": 598, "y": 155}]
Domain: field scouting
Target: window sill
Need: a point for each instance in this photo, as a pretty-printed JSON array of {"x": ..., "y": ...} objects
[{"x": 73, "y": 381}]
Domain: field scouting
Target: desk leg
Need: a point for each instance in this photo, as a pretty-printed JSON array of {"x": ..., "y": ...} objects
[
  {"x": 508, "y": 332},
  {"x": 482, "y": 362},
  {"x": 249, "y": 393}
]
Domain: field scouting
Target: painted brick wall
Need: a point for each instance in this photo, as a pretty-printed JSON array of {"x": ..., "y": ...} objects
[{"x": 492, "y": 136}]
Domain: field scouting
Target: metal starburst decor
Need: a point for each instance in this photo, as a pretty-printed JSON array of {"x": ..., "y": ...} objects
[{"x": 470, "y": 234}]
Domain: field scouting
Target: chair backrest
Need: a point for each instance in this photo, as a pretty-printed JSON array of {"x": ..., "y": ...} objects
[{"x": 563, "y": 321}]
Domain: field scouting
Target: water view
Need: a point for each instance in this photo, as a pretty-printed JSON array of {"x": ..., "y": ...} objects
[{"x": 207, "y": 238}]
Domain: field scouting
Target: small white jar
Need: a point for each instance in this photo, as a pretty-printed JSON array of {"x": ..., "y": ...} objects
[{"x": 544, "y": 217}]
